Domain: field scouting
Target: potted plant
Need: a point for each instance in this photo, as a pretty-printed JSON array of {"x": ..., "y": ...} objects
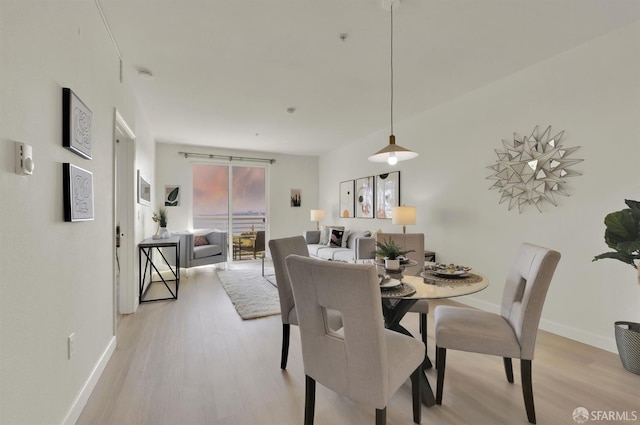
[
  {"x": 622, "y": 234},
  {"x": 161, "y": 217},
  {"x": 390, "y": 252}
]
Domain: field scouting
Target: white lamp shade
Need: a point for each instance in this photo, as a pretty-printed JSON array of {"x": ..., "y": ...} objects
[
  {"x": 404, "y": 215},
  {"x": 317, "y": 215}
]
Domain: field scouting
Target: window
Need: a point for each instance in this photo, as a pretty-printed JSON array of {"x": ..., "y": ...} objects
[{"x": 231, "y": 198}]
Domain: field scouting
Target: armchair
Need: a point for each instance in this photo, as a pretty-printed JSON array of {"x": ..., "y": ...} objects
[{"x": 213, "y": 252}]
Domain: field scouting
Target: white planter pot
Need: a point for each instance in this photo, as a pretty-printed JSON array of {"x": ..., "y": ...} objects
[{"x": 392, "y": 264}]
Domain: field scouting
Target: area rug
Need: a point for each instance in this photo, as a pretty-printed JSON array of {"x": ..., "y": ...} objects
[{"x": 252, "y": 294}]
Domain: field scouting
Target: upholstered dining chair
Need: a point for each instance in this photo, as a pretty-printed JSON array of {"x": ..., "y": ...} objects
[
  {"x": 362, "y": 361},
  {"x": 280, "y": 249},
  {"x": 510, "y": 334},
  {"x": 415, "y": 242}
]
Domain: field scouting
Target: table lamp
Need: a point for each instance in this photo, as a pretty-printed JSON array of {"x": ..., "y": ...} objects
[
  {"x": 404, "y": 215},
  {"x": 317, "y": 216}
]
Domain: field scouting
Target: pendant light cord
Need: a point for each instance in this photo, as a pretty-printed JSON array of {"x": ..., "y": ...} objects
[{"x": 391, "y": 51}]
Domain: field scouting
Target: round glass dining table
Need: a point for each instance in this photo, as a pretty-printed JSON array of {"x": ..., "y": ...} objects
[{"x": 397, "y": 301}]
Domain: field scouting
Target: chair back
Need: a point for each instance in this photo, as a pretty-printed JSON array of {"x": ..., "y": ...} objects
[
  {"x": 407, "y": 241},
  {"x": 352, "y": 361},
  {"x": 280, "y": 249},
  {"x": 525, "y": 291},
  {"x": 259, "y": 242}
]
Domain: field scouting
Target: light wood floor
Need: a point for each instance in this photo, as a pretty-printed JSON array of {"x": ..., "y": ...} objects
[{"x": 195, "y": 361}]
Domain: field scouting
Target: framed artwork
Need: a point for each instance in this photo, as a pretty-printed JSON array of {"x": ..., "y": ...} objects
[
  {"x": 364, "y": 197},
  {"x": 78, "y": 193},
  {"x": 296, "y": 197},
  {"x": 171, "y": 196},
  {"x": 76, "y": 124},
  {"x": 347, "y": 199},
  {"x": 387, "y": 194},
  {"x": 144, "y": 190}
]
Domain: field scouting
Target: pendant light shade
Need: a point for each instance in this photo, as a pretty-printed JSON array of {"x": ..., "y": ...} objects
[{"x": 392, "y": 153}]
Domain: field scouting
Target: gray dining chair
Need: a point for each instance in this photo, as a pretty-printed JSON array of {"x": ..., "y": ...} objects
[
  {"x": 510, "y": 334},
  {"x": 362, "y": 361},
  {"x": 414, "y": 242},
  {"x": 280, "y": 249}
]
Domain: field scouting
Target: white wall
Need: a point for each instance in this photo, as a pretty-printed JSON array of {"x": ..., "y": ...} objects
[
  {"x": 56, "y": 277},
  {"x": 593, "y": 93},
  {"x": 288, "y": 172}
]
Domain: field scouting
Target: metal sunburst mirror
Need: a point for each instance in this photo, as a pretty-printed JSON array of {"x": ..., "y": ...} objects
[{"x": 531, "y": 170}]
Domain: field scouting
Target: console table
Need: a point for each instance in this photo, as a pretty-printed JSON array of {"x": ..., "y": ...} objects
[{"x": 146, "y": 249}]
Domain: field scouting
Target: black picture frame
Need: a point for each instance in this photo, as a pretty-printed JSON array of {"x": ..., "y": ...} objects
[
  {"x": 76, "y": 124},
  {"x": 77, "y": 193}
]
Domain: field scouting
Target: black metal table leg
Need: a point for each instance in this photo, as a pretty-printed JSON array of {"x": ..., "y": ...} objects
[{"x": 393, "y": 311}]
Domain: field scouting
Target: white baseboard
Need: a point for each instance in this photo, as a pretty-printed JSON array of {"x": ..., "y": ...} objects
[
  {"x": 598, "y": 341},
  {"x": 607, "y": 344},
  {"x": 81, "y": 399}
]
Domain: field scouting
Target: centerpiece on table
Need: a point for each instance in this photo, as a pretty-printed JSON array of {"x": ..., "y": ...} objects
[{"x": 392, "y": 254}]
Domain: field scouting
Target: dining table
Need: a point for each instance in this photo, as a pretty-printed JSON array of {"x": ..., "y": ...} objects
[{"x": 398, "y": 295}]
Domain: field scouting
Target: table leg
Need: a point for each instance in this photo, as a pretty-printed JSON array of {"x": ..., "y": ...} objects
[
  {"x": 393, "y": 311},
  {"x": 423, "y": 332}
]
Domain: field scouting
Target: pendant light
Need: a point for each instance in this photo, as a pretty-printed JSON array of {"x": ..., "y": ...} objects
[{"x": 392, "y": 153}]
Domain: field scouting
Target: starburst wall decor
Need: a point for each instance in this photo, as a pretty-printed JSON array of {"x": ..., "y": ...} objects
[{"x": 531, "y": 170}]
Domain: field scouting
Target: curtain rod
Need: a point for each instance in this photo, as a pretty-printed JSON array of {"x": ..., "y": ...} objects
[{"x": 226, "y": 157}]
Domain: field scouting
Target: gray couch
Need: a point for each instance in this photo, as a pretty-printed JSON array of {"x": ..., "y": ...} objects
[
  {"x": 215, "y": 251},
  {"x": 358, "y": 246}
]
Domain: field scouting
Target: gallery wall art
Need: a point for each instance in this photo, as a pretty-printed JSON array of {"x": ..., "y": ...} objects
[
  {"x": 77, "y": 193},
  {"x": 347, "y": 199},
  {"x": 364, "y": 197},
  {"x": 144, "y": 190},
  {"x": 171, "y": 196},
  {"x": 76, "y": 124},
  {"x": 387, "y": 194},
  {"x": 296, "y": 197}
]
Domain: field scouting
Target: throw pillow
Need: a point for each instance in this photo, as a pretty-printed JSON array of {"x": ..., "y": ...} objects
[
  {"x": 200, "y": 240},
  {"x": 335, "y": 240},
  {"x": 325, "y": 237}
]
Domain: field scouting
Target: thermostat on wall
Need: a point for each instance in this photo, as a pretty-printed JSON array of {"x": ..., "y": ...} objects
[{"x": 24, "y": 159}]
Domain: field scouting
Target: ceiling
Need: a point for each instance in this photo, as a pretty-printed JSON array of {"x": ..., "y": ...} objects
[{"x": 225, "y": 72}]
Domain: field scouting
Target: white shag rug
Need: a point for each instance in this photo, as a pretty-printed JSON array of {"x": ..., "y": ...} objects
[{"x": 252, "y": 294}]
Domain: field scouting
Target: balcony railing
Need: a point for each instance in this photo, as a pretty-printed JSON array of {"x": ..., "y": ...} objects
[{"x": 241, "y": 223}]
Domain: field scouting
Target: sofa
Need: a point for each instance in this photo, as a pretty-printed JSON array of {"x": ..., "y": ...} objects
[
  {"x": 201, "y": 248},
  {"x": 354, "y": 245}
]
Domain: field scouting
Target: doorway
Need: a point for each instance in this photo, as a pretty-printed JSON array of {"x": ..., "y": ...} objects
[
  {"x": 124, "y": 218},
  {"x": 231, "y": 197}
]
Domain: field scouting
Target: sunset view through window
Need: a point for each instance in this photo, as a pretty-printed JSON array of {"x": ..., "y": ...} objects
[{"x": 212, "y": 197}]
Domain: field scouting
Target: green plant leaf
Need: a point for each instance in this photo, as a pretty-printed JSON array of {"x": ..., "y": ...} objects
[
  {"x": 622, "y": 227},
  {"x": 389, "y": 249},
  {"x": 622, "y": 234},
  {"x": 625, "y": 258},
  {"x": 173, "y": 195}
]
